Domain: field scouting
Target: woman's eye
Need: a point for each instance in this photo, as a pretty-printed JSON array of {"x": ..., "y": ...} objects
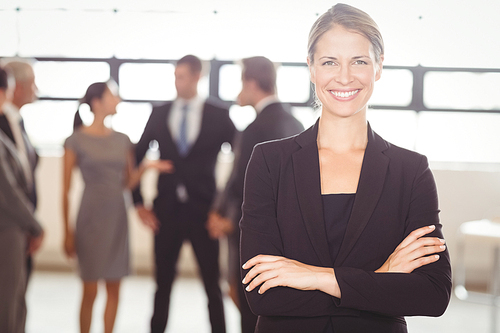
[
  {"x": 328, "y": 63},
  {"x": 360, "y": 62}
]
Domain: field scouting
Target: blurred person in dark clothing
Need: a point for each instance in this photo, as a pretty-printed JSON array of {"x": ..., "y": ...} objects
[
  {"x": 273, "y": 121},
  {"x": 11, "y": 122},
  {"x": 20, "y": 232},
  {"x": 190, "y": 131}
]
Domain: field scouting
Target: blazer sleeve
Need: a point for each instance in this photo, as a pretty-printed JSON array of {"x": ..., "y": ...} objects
[
  {"x": 14, "y": 203},
  {"x": 426, "y": 291},
  {"x": 141, "y": 148},
  {"x": 260, "y": 234},
  {"x": 230, "y": 129}
]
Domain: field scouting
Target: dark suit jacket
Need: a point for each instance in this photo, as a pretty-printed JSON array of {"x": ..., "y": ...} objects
[
  {"x": 15, "y": 208},
  {"x": 196, "y": 170},
  {"x": 273, "y": 122},
  {"x": 32, "y": 155},
  {"x": 283, "y": 215}
]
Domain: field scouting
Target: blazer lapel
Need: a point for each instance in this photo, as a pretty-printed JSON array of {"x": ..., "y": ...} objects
[
  {"x": 307, "y": 179},
  {"x": 371, "y": 183}
]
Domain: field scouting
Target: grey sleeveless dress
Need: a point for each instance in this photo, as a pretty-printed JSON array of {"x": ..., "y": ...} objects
[{"x": 101, "y": 233}]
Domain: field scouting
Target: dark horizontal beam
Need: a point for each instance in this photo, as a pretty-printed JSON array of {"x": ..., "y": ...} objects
[{"x": 417, "y": 103}]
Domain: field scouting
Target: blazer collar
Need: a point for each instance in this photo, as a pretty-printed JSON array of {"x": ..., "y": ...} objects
[
  {"x": 308, "y": 182},
  {"x": 307, "y": 179}
]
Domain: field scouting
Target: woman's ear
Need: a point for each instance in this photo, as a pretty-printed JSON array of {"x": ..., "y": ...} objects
[
  {"x": 311, "y": 71},
  {"x": 379, "y": 68}
]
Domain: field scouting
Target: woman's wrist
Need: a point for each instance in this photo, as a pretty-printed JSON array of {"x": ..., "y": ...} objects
[{"x": 327, "y": 281}]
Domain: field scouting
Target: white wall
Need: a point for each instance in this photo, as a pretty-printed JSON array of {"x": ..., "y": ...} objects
[{"x": 464, "y": 196}]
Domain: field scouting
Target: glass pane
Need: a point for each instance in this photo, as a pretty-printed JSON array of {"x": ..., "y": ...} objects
[
  {"x": 66, "y": 33},
  {"x": 397, "y": 127},
  {"x": 147, "y": 81},
  {"x": 155, "y": 82},
  {"x": 242, "y": 116},
  {"x": 49, "y": 123},
  {"x": 394, "y": 88},
  {"x": 131, "y": 118},
  {"x": 68, "y": 79},
  {"x": 293, "y": 84},
  {"x": 462, "y": 90},
  {"x": 8, "y": 40},
  {"x": 459, "y": 137},
  {"x": 229, "y": 82}
]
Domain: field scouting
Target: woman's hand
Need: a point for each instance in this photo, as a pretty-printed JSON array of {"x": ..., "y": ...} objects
[
  {"x": 162, "y": 166},
  {"x": 269, "y": 271},
  {"x": 34, "y": 243},
  {"x": 69, "y": 244},
  {"x": 414, "y": 251}
]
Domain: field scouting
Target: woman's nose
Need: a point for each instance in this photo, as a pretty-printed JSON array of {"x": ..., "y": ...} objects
[{"x": 344, "y": 75}]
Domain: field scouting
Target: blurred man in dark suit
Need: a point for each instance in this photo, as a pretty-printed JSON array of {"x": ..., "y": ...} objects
[
  {"x": 20, "y": 232},
  {"x": 190, "y": 131},
  {"x": 12, "y": 124},
  {"x": 273, "y": 121}
]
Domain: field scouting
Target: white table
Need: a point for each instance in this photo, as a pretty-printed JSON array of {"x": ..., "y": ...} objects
[{"x": 486, "y": 232}]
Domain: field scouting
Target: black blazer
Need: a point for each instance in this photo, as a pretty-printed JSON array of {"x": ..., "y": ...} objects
[
  {"x": 273, "y": 122},
  {"x": 283, "y": 215},
  {"x": 32, "y": 154},
  {"x": 15, "y": 208},
  {"x": 196, "y": 170}
]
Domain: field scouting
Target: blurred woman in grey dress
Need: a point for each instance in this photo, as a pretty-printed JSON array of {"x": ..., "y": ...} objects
[{"x": 100, "y": 239}]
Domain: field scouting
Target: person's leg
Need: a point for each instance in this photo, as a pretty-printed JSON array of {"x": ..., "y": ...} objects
[
  {"x": 12, "y": 280},
  {"x": 207, "y": 255},
  {"x": 168, "y": 243},
  {"x": 88, "y": 298},
  {"x": 113, "y": 295}
]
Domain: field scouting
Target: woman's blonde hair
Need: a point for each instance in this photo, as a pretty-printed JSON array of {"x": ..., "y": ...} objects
[{"x": 351, "y": 19}]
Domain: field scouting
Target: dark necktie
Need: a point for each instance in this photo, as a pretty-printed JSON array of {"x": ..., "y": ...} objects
[{"x": 182, "y": 141}]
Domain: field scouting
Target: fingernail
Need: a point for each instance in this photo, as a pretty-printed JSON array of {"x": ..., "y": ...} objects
[
  {"x": 436, "y": 256},
  {"x": 432, "y": 226},
  {"x": 442, "y": 247},
  {"x": 260, "y": 292},
  {"x": 244, "y": 266},
  {"x": 247, "y": 288},
  {"x": 442, "y": 241},
  {"x": 243, "y": 281}
]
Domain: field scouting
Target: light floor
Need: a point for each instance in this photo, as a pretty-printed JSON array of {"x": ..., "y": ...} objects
[{"x": 53, "y": 305}]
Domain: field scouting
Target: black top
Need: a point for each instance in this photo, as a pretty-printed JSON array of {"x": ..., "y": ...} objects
[{"x": 336, "y": 211}]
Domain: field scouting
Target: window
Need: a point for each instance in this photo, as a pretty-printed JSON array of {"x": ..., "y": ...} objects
[
  {"x": 147, "y": 81},
  {"x": 462, "y": 90},
  {"x": 68, "y": 79}
]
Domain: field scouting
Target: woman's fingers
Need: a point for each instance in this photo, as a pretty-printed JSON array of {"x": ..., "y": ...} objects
[
  {"x": 408, "y": 262},
  {"x": 258, "y": 265},
  {"x": 414, "y": 251},
  {"x": 416, "y": 234},
  {"x": 262, "y": 278},
  {"x": 424, "y": 242},
  {"x": 261, "y": 258}
]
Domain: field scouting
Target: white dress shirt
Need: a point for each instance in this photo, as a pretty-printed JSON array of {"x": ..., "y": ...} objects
[{"x": 194, "y": 118}]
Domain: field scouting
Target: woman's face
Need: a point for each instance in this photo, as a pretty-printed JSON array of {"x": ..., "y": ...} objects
[
  {"x": 344, "y": 72},
  {"x": 109, "y": 101}
]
